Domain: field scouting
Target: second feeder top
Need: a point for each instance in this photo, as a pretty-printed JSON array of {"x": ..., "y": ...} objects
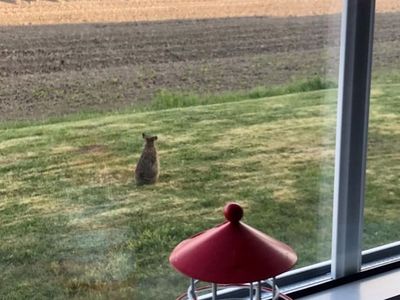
[{"x": 232, "y": 252}]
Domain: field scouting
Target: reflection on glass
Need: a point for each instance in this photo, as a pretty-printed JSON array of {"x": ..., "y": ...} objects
[
  {"x": 243, "y": 107},
  {"x": 383, "y": 164}
]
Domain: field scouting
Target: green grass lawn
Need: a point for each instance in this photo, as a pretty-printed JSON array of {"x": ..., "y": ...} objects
[{"x": 74, "y": 225}]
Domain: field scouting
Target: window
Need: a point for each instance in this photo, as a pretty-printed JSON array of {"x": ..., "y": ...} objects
[
  {"x": 382, "y": 191},
  {"x": 243, "y": 99}
]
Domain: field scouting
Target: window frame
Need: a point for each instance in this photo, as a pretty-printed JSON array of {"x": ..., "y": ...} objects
[
  {"x": 352, "y": 135},
  {"x": 348, "y": 261}
]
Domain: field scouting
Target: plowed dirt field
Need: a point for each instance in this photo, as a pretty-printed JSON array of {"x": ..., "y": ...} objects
[{"x": 52, "y": 70}]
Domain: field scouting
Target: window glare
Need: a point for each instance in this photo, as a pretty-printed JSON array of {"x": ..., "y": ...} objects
[
  {"x": 383, "y": 162},
  {"x": 242, "y": 98}
]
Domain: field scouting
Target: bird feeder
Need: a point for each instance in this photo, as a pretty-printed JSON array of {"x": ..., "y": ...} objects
[{"x": 236, "y": 260}]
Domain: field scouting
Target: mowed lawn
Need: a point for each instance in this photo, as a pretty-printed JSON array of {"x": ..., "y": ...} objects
[{"x": 73, "y": 224}]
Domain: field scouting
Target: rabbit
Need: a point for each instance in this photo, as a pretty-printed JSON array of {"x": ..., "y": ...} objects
[{"x": 147, "y": 168}]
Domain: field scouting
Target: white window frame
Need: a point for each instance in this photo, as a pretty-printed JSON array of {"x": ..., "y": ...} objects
[{"x": 348, "y": 261}]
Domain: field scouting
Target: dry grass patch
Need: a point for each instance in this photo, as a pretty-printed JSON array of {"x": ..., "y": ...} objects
[{"x": 21, "y": 12}]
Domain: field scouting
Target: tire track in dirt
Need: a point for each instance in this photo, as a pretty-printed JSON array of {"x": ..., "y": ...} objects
[{"x": 47, "y": 49}]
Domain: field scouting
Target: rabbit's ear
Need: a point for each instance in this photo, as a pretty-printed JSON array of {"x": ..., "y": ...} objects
[
  {"x": 143, "y": 135},
  {"x": 155, "y": 138}
]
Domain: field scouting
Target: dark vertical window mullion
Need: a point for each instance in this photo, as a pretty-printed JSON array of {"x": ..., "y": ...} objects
[{"x": 352, "y": 131}]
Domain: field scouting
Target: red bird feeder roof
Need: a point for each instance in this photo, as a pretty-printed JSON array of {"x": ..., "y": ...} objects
[{"x": 232, "y": 252}]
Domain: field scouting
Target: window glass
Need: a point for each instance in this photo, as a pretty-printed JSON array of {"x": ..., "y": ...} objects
[
  {"x": 242, "y": 97},
  {"x": 383, "y": 164}
]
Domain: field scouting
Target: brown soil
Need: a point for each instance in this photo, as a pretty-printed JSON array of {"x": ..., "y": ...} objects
[{"x": 52, "y": 70}]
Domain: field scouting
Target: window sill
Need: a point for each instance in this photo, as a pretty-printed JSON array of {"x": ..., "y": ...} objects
[{"x": 380, "y": 286}]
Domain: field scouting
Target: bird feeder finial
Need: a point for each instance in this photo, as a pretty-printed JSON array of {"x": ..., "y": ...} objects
[{"x": 233, "y": 212}]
